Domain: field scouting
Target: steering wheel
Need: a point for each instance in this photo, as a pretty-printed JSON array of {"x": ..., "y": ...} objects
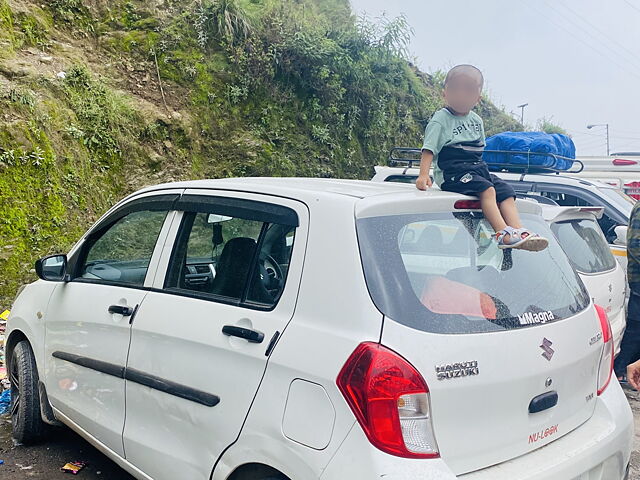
[
  {"x": 610, "y": 234},
  {"x": 274, "y": 277}
]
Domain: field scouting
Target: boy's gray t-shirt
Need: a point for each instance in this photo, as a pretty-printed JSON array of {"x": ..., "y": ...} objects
[{"x": 446, "y": 129}]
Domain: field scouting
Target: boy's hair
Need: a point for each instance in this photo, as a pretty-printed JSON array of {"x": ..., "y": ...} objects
[{"x": 465, "y": 68}]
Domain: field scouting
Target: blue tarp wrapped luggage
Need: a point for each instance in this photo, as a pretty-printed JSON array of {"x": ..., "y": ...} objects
[{"x": 531, "y": 142}]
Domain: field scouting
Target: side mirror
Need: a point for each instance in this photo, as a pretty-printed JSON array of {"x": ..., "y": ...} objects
[
  {"x": 621, "y": 235},
  {"x": 52, "y": 268}
]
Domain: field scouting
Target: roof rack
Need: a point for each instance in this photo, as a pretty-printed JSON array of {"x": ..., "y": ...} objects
[{"x": 405, "y": 156}]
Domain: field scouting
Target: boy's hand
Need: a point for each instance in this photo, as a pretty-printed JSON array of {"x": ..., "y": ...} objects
[
  {"x": 633, "y": 375},
  {"x": 424, "y": 182}
]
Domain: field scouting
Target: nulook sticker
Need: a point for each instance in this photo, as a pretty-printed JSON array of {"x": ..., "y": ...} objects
[
  {"x": 530, "y": 318},
  {"x": 542, "y": 434}
]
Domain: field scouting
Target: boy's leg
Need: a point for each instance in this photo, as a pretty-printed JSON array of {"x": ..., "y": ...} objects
[
  {"x": 510, "y": 212},
  {"x": 506, "y": 199},
  {"x": 472, "y": 182},
  {"x": 490, "y": 209}
]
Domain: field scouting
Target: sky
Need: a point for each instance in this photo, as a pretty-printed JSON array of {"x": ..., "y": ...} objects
[{"x": 576, "y": 62}]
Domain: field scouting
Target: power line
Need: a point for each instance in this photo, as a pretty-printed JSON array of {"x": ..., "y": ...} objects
[
  {"x": 612, "y": 136},
  {"x": 600, "y": 143},
  {"x": 624, "y": 137},
  {"x": 634, "y": 55},
  {"x": 606, "y": 47},
  {"x": 637, "y": 132},
  {"x": 569, "y": 32},
  {"x": 576, "y": 132},
  {"x": 599, "y": 138},
  {"x": 632, "y": 5},
  {"x": 616, "y": 134},
  {"x": 627, "y": 145}
]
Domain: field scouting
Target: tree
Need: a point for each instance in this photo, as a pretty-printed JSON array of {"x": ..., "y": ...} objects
[{"x": 546, "y": 125}]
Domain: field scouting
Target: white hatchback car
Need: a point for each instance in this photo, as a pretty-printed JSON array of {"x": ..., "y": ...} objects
[
  {"x": 580, "y": 236},
  {"x": 270, "y": 329}
]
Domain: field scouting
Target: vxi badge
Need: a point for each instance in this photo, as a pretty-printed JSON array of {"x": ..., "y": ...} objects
[{"x": 454, "y": 370}]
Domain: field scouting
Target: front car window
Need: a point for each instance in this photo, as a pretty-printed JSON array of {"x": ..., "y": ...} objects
[
  {"x": 585, "y": 245},
  {"x": 443, "y": 273},
  {"x": 122, "y": 252},
  {"x": 623, "y": 202}
]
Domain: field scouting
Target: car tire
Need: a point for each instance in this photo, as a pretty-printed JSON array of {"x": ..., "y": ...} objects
[{"x": 26, "y": 420}]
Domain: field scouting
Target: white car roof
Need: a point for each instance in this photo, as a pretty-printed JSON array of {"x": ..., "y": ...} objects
[
  {"x": 379, "y": 197},
  {"x": 292, "y": 187}
]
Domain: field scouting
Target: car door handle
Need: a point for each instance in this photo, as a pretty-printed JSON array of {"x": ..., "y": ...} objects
[
  {"x": 121, "y": 309},
  {"x": 252, "y": 336}
]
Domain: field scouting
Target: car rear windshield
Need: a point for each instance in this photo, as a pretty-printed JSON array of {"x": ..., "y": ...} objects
[
  {"x": 585, "y": 245},
  {"x": 444, "y": 273}
]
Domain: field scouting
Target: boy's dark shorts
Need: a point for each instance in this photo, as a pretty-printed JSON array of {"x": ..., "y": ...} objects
[{"x": 474, "y": 180}]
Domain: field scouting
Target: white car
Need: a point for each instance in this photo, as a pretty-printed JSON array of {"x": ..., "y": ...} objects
[
  {"x": 563, "y": 189},
  {"x": 580, "y": 236},
  {"x": 273, "y": 329},
  {"x": 621, "y": 170}
]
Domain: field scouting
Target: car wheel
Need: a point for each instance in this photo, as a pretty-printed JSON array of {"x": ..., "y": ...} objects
[{"x": 26, "y": 421}]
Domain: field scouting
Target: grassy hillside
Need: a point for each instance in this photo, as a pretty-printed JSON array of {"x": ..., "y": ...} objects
[{"x": 99, "y": 98}]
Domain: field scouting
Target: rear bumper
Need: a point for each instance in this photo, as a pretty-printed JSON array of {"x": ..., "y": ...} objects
[{"x": 599, "y": 450}]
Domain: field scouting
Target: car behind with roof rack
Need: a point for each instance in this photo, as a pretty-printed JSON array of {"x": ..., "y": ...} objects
[
  {"x": 274, "y": 329},
  {"x": 562, "y": 187}
]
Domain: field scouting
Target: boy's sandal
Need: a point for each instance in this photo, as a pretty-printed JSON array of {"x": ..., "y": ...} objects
[{"x": 521, "y": 238}]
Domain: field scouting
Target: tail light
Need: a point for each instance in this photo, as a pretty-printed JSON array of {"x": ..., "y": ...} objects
[
  {"x": 467, "y": 205},
  {"x": 622, "y": 162},
  {"x": 390, "y": 400},
  {"x": 632, "y": 189},
  {"x": 605, "y": 369}
]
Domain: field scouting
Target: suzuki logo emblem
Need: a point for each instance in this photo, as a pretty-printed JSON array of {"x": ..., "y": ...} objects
[{"x": 547, "y": 350}]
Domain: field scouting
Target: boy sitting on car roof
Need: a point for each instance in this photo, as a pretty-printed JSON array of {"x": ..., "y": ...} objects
[{"x": 454, "y": 138}]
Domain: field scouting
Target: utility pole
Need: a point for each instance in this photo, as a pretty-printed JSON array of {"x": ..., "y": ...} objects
[
  {"x": 521, "y": 107},
  {"x": 602, "y": 125}
]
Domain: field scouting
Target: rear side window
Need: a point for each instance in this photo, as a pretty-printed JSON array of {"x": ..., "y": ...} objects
[
  {"x": 443, "y": 273},
  {"x": 585, "y": 245}
]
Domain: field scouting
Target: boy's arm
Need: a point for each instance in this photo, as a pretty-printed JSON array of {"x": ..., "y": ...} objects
[
  {"x": 424, "y": 179},
  {"x": 434, "y": 140}
]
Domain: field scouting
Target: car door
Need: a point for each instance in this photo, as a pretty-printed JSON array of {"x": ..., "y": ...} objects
[
  {"x": 87, "y": 320},
  {"x": 202, "y": 338}
]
